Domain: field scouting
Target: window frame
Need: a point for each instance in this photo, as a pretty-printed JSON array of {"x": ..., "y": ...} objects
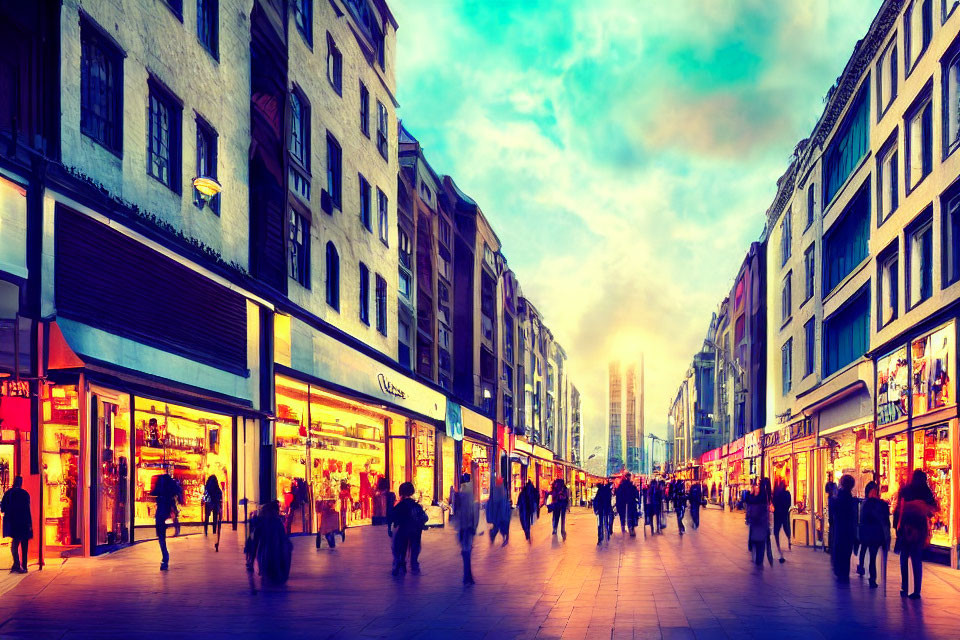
[
  {"x": 302, "y": 260},
  {"x": 922, "y": 103},
  {"x": 383, "y": 217},
  {"x": 176, "y": 8},
  {"x": 157, "y": 91},
  {"x": 364, "y": 291},
  {"x": 811, "y": 205},
  {"x": 334, "y": 171},
  {"x": 944, "y": 13},
  {"x": 890, "y": 148},
  {"x": 921, "y": 224},
  {"x": 381, "y": 294},
  {"x": 303, "y": 162},
  {"x": 786, "y": 367},
  {"x": 383, "y": 131},
  {"x": 855, "y": 299},
  {"x": 950, "y": 276},
  {"x": 206, "y": 132},
  {"x": 92, "y": 34},
  {"x": 213, "y": 46},
  {"x": 910, "y": 65},
  {"x": 334, "y": 65},
  {"x": 786, "y": 237},
  {"x": 304, "y": 8},
  {"x": 887, "y": 69},
  {"x": 950, "y": 60},
  {"x": 810, "y": 346},
  {"x": 786, "y": 299},
  {"x": 889, "y": 255},
  {"x": 332, "y": 276},
  {"x": 366, "y": 202},
  {"x": 364, "y": 109},
  {"x": 809, "y": 271}
]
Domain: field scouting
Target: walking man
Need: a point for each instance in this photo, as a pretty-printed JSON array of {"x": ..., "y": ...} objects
[
  {"x": 695, "y": 498},
  {"x": 678, "y": 502},
  {"x": 166, "y": 492},
  {"x": 601, "y": 507},
  {"x": 527, "y": 507},
  {"x": 466, "y": 518},
  {"x": 17, "y": 523}
]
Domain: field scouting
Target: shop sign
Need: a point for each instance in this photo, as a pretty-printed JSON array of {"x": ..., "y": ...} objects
[
  {"x": 542, "y": 452},
  {"x": 454, "y": 421},
  {"x": 783, "y": 418},
  {"x": 893, "y": 387},
  {"x": 12, "y": 388},
  {"x": 521, "y": 444},
  {"x": 522, "y": 459},
  {"x": 15, "y": 404},
  {"x": 931, "y": 358},
  {"x": 424, "y": 446},
  {"x": 801, "y": 429},
  {"x": 389, "y": 388},
  {"x": 780, "y": 436},
  {"x": 477, "y": 423},
  {"x": 752, "y": 444},
  {"x": 710, "y": 456},
  {"x": 735, "y": 447}
]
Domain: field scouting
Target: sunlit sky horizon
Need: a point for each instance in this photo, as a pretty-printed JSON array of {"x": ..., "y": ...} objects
[{"x": 625, "y": 153}]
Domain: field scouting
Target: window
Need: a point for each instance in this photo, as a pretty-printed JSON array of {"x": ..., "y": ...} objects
[
  {"x": 381, "y": 305},
  {"x": 299, "y": 129},
  {"x": 206, "y": 161},
  {"x": 786, "y": 305},
  {"x": 364, "y": 109},
  {"x": 364, "y": 294},
  {"x": 404, "y": 338},
  {"x": 888, "y": 196},
  {"x": 947, "y": 7},
  {"x": 382, "y": 126},
  {"x": 333, "y": 277},
  {"x": 101, "y": 89},
  {"x": 920, "y": 261},
  {"x": 811, "y": 204},
  {"x": 208, "y": 25},
  {"x": 918, "y": 28},
  {"x": 303, "y": 14},
  {"x": 382, "y": 216},
  {"x": 951, "y": 239},
  {"x": 786, "y": 366},
  {"x": 919, "y": 126},
  {"x": 809, "y": 271},
  {"x": 163, "y": 137},
  {"x": 404, "y": 248},
  {"x": 810, "y": 346},
  {"x": 298, "y": 249},
  {"x": 845, "y": 244},
  {"x": 365, "y": 203},
  {"x": 443, "y": 302},
  {"x": 334, "y": 171},
  {"x": 786, "y": 240},
  {"x": 443, "y": 337},
  {"x": 507, "y": 338},
  {"x": 951, "y": 104},
  {"x": 848, "y": 145},
  {"x": 176, "y": 6},
  {"x": 886, "y": 78},
  {"x": 405, "y": 283},
  {"x": 888, "y": 281},
  {"x": 846, "y": 334},
  {"x": 334, "y": 65}
]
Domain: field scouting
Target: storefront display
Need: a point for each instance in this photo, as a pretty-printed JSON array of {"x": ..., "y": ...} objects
[
  {"x": 60, "y": 459},
  {"x": 448, "y": 465},
  {"x": 424, "y": 462},
  {"x": 932, "y": 370},
  {"x": 111, "y": 411},
  {"x": 851, "y": 452},
  {"x": 894, "y": 466},
  {"x": 476, "y": 462},
  {"x": 189, "y": 444},
  {"x": 893, "y": 387},
  {"x": 932, "y": 453}
]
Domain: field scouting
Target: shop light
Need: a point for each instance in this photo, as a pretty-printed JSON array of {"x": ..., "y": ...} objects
[{"x": 207, "y": 187}]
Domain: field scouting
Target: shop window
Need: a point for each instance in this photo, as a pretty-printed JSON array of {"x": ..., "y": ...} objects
[
  {"x": 364, "y": 109},
  {"x": 918, "y": 124},
  {"x": 846, "y": 243},
  {"x": 381, "y": 304},
  {"x": 920, "y": 261},
  {"x": 932, "y": 453},
  {"x": 424, "y": 463},
  {"x": 476, "y": 462},
  {"x": 848, "y": 146},
  {"x": 60, "y": 466},
  {"x": 163, "y": 137},
  {"x": 303, "y": 16},
  {"x": 932, "y": 359},
  {"x": 886, "y": 74},
  {"x": 298, "y": 249},
  {"x": 894, "y": 466},
  {"x": 888, "y": 282},
  {"x": 888, "y": 196},
  {"x": 893, "y": 387},
  {"x": 208, "y": 25},
  {"x": 364, "y": 294},
  {"x": 918, "y": 29},
  {"x": 334, "y": 65},
  {"x": 110, "y": 415},
  {"x": 190, "y": 445},
  {"x": 334, "y": 171},
  {"x": 101, "y": 88},
  {"x": 846, "y": 333}
]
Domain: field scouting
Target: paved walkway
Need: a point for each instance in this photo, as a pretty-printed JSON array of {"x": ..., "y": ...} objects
[{"x": 699, "y": 586}]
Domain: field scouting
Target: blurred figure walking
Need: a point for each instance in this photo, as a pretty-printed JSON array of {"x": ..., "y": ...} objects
[
  {"x": 499, "y": 512},
  {"x": 844, "y": 510},
  {"x": 915, "y": 506},
  {"x": 408, "y": 520},
  {"x": 695, "y": 497},
  {"x": 781, "y": 515},
  {"x": 560, "y": 501},
  {"x": 874, "y": 528},
  {"x": 270, "y": 545},
  {"x": 167, "y": 493},
  {"x": 17, "y": 523},
  {"x": 527, "y": 507},
  {"x": 466, "y": 519},
  {"x": 602, "y": 507},
  {"x": 758, "y": 518}
]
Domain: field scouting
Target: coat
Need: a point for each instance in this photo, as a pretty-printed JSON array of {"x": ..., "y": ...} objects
[
  {"x": 409, "y": 519},
  {"x": 845, "y": 513},
  {"x": 17, "y": 522},
  {"x": 272, "y": 548},
  {"x": 875, "y": 523},
  {"x": 498, "y": 507},
  {"x": 758, "y": 517},
  {"x": 466, "y": 511},
  {"x": 601, "y": 502}
]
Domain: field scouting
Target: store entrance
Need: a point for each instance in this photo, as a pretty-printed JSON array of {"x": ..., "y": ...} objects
[{"x": 59, "y": 470}]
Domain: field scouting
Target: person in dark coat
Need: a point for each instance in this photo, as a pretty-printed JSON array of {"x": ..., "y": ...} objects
[
  {"x": 602, "y": 507},
  {"x": 212, "y": 504},
  {"x": 695, "y": 498},
  {"x": 844, "y": 511},
  {"x": 758, "y": 518},
  {"x": 527, "y": 503},
  {"x": 678, "y": 495},
  {"x": 271, "y": 545},
  {"x": 650, "y": 514},
  {"x": 499, "y": 511},
  {"x": 408, "y": 519},
  {"x": 915, "y": 505},
  {"x": 560, "y": 502},
  {"x": 17, "y": 523},
  {"x": 782, "y": 502},
  {"x": 874, "y": 527},
  {"x": 626, "y": 499},
  {"x": 167, "y": 493}
]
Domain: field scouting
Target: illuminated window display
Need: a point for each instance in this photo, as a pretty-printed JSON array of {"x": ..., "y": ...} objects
[
  {"x": 782, "y": 469},
  {"x": 801, "y": 489},
  {"x": 448, "y": 464},
  {"x": 59, "y": 459},
  {"x": 932, "y": 358},
  {"x": 476, "y": 462},
  {"x": 398, "y": 454},
  {"x": 424, "y": 462},
  {"x": 329, "y": 447},
  {"x": 931, "y": 452},
  {"x": 112, "y": 414},
  {"x": 187, "y": 443},
  {"x": 853, "y": 455},
  {"x": 894, "y": 466}
]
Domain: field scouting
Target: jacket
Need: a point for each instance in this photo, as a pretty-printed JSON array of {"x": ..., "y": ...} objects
[
  {"x": 15, "y": 506},
  {"x": 408, "y": 518},
  {"x": 758, "y": 517},
  {"x": 875, "y": 522}
]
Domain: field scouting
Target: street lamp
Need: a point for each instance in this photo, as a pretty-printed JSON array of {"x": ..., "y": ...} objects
[{"x": 207, "y": 187}]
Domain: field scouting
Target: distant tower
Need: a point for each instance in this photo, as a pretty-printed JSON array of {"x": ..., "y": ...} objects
[
  {"x": 630, "y": 419},
  {"x": 625, "y": 449},
  {"x": 616, "y": 449},
  {"x": 643, "y": 464}
]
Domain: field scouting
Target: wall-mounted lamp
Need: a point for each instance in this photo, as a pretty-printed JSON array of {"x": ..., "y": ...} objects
[{"x": 208, "y": 188}]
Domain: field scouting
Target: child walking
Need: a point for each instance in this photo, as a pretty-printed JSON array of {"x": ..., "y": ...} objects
[{"x": 408, "y": 520}]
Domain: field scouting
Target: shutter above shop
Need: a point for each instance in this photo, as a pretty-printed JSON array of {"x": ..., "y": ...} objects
[{"x": 110, "y": 281}]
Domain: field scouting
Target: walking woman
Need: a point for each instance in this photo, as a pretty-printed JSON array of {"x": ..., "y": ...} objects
[
  {"x": 758, "y": 517},
  {"x": 844, "y": 509},
  {"x": 874, "y": 527},
  {"x": 781, "y": 515},
  {"x": 601, "y": 507},
  {"x": 560, "y": 501},
  {"x": 527, "y": 507},
  {"x": 915, "y": 506},
  {"x": 212, "y": 504}
]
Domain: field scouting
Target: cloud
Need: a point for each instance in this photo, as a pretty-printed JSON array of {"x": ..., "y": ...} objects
[{"x": 624, "y": 152}]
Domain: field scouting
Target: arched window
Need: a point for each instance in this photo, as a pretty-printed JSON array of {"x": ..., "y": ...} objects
[{"x": 333, "y": 276}]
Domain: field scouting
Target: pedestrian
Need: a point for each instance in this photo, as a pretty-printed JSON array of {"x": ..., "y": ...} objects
[
  {"x": 527, "y": 507},
  {"x": 626, "y": 502},
  {"x": 270, "y": 544},
  {"x": 830, "y": 491},
  {"x": 212, "y": 504},
  {"x": 601, "y": 507},
  {"x": 17, "y": 523},
  {"x": 874, "y": 527},
  {"x": 466, "y": 519},
  {"x": 167, "y": 493},
  {"x": 499, "y": 512},
  {"x": 452, "y": 497},
  {"x": 758, "y": 517},
  {"x": 329, "y": 525},
  {"x": 560, "y": 501},
  {"x": 844, "y": 510},
  {"x": 695, "y": 500},
  {"x": 678, "y": 495},
  {"x": 633, "y": 506},
  {"x": 649, "y": 507},
  {"x": 781, "y": 515},
  {"x": 409, "y": 520},
  {"x": 346, "y": 506},
  {"x": 911, "y": 517}
]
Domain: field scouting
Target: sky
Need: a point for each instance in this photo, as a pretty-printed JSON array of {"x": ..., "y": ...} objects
[{"x": 624, "y": 151}]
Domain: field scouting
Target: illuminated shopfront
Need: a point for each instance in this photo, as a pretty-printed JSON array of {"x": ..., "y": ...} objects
[
  {"x": 850, "y": 451},
  {"x": 424, "y": 462},
  {"x": 713, "y": 476},
  {"x": 60, "y": 468},
  {"x": 788, "y": 454},
  {"x": 476, "y": 461}
]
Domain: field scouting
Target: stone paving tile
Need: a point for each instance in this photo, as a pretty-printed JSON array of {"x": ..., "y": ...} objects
[{"x": 702, "y": 586}]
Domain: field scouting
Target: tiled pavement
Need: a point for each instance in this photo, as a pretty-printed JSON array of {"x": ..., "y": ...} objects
[{"x": 699, "y": 586}]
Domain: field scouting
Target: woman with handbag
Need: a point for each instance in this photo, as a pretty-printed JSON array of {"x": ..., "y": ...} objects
[
  {"x": 558, "y": 506},
  {"x": 911, "y": 518}
]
